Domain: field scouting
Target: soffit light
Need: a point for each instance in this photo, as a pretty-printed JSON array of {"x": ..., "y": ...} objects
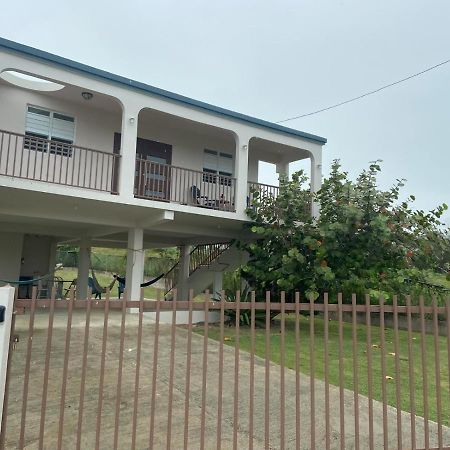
[{"x": 87, "y": 95}]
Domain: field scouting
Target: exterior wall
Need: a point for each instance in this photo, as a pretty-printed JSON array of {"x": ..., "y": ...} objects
[
  {"x": 94, "y": 128},
  {"x": 11, "y": 253},
  {"x": 36, "y": 255}
]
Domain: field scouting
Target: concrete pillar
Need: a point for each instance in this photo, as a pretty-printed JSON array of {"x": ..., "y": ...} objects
[
  {"x": 84, "y": 265},
  {"x": 135, "y": 263},
  {"x": 128, "y": 151},
  {"x": 182, "y": 285},
  {"x": 52, "y": 256},
  {"x": 241, "y": 172},
  {"x": 11, "y": 254},
  {"x": 6, "y": 301},
  {"x": 316, "y": 180},
  {"x": 217, "y": 284},
  {"x": 282, "y": 169}
]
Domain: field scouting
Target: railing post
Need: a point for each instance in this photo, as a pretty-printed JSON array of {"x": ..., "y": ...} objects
[{"x": 6, "y": 313}]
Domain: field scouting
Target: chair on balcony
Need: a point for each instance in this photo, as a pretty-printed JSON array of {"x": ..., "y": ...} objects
[{"x": 201, "y": 200}]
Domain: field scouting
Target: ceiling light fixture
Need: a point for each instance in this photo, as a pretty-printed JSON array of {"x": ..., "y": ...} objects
[{"x": 87, "y": 95}]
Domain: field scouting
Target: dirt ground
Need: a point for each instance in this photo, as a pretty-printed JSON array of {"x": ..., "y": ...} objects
[{"x": 110, "y": 394}]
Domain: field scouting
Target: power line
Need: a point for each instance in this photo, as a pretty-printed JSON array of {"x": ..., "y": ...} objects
[{"x": 366, "y": 94}]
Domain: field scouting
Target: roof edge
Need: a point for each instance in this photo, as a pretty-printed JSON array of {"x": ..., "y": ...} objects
[{"x": 92, "y": 71}]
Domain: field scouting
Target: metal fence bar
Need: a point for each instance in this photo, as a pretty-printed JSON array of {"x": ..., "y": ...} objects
[
  {"x": 369, "y": 372},
  {"x": 341, "y": 374},
  {"x": 267, "y": 376},
  {"x": 383, "y": 374},
  {"x": 312, "y": 373},
  {"x": 83, "y": 370},
  {"x": 27, "y": 369},
  {"x": 106, "y": 306},
  {"x": 188, "y": 371},
  {"x": 424, "y": 372},
  {"x": 220, "y": 381},
  {"x": 412, "y": 385},
  {"x": 138, "y": 371},
  {"x": 252, "y": 370},
  {"x": 437, "y": 370},
  {"x": 397, "y": 374},
  {"x": 155, "y": 370},
  {"x": 65, "y": 371},
  {"x": 355, "y": 372},
  {"x": 204, "y": 373},
  {"x": 236, "y": 371},
  {"x": 171, "y": 370},
  {"x": 282, "y": 369},
  {"x": 47, "y": 368},
  {"x": 326, "y": 375},
  {"x": 297, "y": 370}
]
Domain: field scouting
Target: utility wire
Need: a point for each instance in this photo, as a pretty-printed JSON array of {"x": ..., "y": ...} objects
[{"x": 366, "y": 94}]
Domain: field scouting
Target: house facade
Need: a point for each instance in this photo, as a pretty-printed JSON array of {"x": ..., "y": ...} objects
[{"x": 95, "y": 159}]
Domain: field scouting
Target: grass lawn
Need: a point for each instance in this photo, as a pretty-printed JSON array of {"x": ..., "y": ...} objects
[
  {"x": 104, "y": 279},
  {"x": 333, "y": 350}
]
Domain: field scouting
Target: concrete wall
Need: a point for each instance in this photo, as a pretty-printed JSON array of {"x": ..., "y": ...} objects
[
  {"x": 11, "y": 253},
  {"x": 36, "y": 255}
]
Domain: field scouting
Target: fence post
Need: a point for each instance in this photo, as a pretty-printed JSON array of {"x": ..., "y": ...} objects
[{"x": 6, "y": 312}]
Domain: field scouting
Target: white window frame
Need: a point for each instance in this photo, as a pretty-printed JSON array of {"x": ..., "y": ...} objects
[
  {"x": 62, "y": 147},
  {"x": 217, "y": 171}
]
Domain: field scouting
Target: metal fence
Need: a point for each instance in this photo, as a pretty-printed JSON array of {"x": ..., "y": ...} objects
[{"x": 252, "y": 373}]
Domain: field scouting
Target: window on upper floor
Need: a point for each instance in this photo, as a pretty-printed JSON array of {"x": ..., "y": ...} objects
[
  {"x": 217, "y": 163},
  {"x": 42, "y": 125}
]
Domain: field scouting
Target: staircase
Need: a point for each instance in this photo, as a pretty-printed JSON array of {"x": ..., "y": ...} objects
[{"x": 202, "y": 259}]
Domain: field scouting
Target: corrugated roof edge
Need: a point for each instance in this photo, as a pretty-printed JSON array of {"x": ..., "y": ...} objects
[{"x": 40, "y": 54}]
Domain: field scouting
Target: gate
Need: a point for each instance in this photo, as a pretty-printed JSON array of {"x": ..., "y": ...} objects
[{"x": 254, "y": 373}]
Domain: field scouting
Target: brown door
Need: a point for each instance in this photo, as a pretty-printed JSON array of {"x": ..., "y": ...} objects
[{"x": 153, "y": 174}]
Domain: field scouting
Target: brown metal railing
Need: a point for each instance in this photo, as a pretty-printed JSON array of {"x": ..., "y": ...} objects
[
  {"x": 251, "y": 373},
  {"x": 200, "y": 256},
  {"x": 205, "y": 254},
  {"x": 167, "y": 183},
  {"x": 263, "y": 191},
  {"x": 56, "y": 162}
]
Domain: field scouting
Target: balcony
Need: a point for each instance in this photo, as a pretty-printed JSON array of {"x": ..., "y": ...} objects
[
  {"x": 34, "y": 158},
  {"x": 167, "y": 183}
]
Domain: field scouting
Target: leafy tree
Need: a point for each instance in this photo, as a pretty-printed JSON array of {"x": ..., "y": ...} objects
[{"x": 365, "y": 241}]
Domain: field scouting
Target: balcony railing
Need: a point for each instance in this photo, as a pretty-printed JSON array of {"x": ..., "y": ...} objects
[
  {"x": 166, "y": 183},
  {"x": 56, "y": 162},
  {"x": 262, "y": 190}
]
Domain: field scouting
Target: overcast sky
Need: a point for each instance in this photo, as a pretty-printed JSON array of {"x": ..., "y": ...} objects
[{"x": 277, "y": 59}]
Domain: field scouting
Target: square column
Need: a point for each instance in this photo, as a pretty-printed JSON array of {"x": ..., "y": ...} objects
[
  {"x": 316, "y": 180},
  {"x": 84, "y": 265},
  {"x": 135, "y": 263},
  {"x": 241, "y": 173},
  {"x": 182, "y": 284},
  {"x": 128, "y": 152}
]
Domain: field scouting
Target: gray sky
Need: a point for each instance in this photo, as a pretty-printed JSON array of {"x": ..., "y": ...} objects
[{"x": 277, "y": 59}]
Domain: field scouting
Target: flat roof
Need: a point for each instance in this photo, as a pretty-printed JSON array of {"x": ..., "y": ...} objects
[{"x": 98, "y": 73}]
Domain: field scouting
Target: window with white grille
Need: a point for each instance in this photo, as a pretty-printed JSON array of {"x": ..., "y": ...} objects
[
  {"x": 43, "y": 124},
  {"x": 217, "y": 163}
]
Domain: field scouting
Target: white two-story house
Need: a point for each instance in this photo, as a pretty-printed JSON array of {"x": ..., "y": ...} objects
[{"x": 97, "y": 159}]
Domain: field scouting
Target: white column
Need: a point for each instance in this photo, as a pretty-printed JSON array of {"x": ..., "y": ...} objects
[
  {"x": 182, "y": 285},
  {"x": 241, "y": 172},
  {"x": 84, "y": 264},
  {"x": 217, "y": 284},
  {"x": 316, "y": 179},
  {"x": 52, "y": 256},
  {"x": 282, "y": 169},
  {"x": 128, "y": 151},
  {"x": 6, "y": 301},
  {"x": 135, "y": 263}
]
